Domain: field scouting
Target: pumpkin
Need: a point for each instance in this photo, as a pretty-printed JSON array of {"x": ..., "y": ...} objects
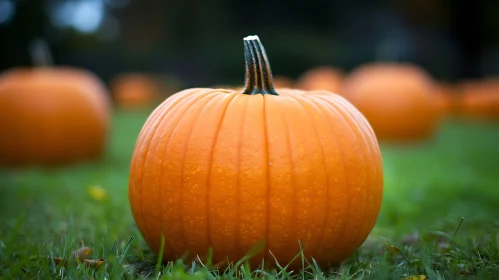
[
  {"x": 398, "y": 99},
  {"x": 227, "y": 86},
  {"x": 51, "y": 115},
  {"x": 167, "y": 84},
  {"x": 479, "y": 99},
  {"x": 228, "y": 170},
  {"x": 281, "y": 81},
  {"x": 321, "y": 78},
  {"x": 446, "y": 98},
  {"x": 135, "y": 90}
]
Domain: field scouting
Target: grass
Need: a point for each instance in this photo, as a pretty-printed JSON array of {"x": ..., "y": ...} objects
[{"x": 440, "y": 216}]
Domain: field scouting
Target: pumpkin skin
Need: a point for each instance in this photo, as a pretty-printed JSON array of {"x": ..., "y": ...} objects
[
  {"x": 135, "y": 91},
  {"x": 397, "y": 99},
  {"x": 51, "y": 116},
  {"x": 321, "y": 78},
  {"x": 446, "y": 99},
  {"x": 227, "y": 169},
  {"x": 479, "y": 99}
]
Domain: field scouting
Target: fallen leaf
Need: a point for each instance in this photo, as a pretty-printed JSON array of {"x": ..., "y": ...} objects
[
  {"x": 415, "y": 277},
  {"x": 79, "y": 256},
  {"x": 59, "y": 261},
  {"x": 97, "y": 193},
  {"x": 81, "y": 253},
  {"x": 94, "y": 263}
]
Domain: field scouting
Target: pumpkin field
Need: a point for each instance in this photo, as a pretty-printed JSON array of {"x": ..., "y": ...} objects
[
  {"x": 133, "y": 149},
  {"x": 438, "y": 218}
]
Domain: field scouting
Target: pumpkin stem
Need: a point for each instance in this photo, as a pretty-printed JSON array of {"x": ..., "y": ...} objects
[
  {"x": 40, "y": 53},
  {"x": 258, "y": 74}
]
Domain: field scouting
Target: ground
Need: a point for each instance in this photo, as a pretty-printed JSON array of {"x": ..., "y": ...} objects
[{"x": 439, "y": 219}]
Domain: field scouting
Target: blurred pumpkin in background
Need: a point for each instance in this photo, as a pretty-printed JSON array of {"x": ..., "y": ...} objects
[
  {"x": 227, "y": 87},
  {"x": 321, "y": 78},
  {"x": 398, "y": 99},
  {"x": 135, "y": 90},
  {"x": 446, "y": 98},
  {"x": 231, "y": 169},
  {"x": 167, "y": 84},
  {"x": 281, "y": 81},
  {"x": 479, "y": 99},
  {"x": 51, "y": 114}
]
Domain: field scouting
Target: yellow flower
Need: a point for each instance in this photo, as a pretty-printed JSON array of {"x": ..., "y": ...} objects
[
  {"x": 97, "y": 193},
  {"x": 415, "y": 277}
]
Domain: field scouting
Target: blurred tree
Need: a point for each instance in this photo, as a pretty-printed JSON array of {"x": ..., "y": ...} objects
[
  {"x": 467, "y": 27},
  {"x": 29, "y": 21},
  {"x": 201, "y": 41}
]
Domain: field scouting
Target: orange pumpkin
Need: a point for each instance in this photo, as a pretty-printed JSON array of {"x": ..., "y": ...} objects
[
  {"x": 479, "y": 99},
  {"x": 228, "y": 169},
  {"x": 281, "y": 81},
  {"x": 397, "y": 99},
  {"x": 227, "y": 86},
  {"x": 321, "y": 78},
  {"x": 134, "y": 90},
  {"x": 167, "y": 84},
  {"x": 446, "y": 98},
  {"x": 52, "y": 115}
]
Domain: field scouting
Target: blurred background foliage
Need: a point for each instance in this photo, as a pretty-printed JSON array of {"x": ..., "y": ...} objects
[{"x": 200, "y": 42}]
